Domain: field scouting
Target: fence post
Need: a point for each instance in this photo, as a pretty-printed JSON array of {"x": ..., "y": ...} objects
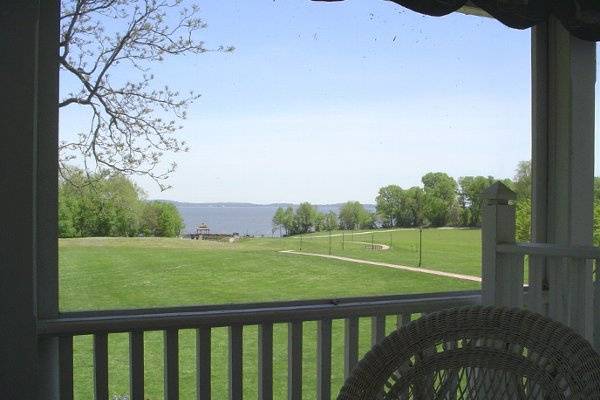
[
  {"x": 501, "y": 274},
  {"x": 420, "y": 245}
]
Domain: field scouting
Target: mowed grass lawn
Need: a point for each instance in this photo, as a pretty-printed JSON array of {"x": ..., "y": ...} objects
[
  {"x": 450, "y": 250},
  {"x": 103, "y": 273}
]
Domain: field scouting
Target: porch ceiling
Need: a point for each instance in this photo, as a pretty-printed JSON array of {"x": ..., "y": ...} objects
[{"x": 580, "y": 17}]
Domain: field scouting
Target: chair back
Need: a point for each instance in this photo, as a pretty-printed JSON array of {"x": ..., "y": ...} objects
[{"x": 478, "y": 353}]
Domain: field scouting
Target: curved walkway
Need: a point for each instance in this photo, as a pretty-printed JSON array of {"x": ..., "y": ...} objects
[
  {"x": 350, "y": 233},
  {"x": 381, "y": 246},
  {"x": 471, "y": 278}
]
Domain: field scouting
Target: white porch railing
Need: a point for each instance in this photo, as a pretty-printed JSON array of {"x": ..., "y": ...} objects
[
  {"x": 563, "y": 282},
  {"x": 203, "y": 319}
]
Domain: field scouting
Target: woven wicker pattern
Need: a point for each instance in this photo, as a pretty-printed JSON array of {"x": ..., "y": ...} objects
[{"x": 478, "y": 353}]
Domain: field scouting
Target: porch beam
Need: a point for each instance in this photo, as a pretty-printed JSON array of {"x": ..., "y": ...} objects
[
  {"x": 563, "y": 85},
  {"x": 18, "y": 245},
  {"x": 47, "y": 194}
]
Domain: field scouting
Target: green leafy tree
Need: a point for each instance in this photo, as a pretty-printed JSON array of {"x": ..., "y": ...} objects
[
  {"x": 389, "y": 204},
  {"x": 279, "y": 220},
  {"x": 305, "y": 217},
  {"x": 67, "y": 208},
  {"x": 440, "y": 202},
  {"x": 523, "y": 220},
  {"x": 471, "y": 188},
  {"x": 596, "y": 233},
  {"x": 522, "y": 180},
  {"x": 353, "y": 215},
  {"x": 160, "y": 218},
  {"x": 319, "y": 222},
  {"x": 289, "y": 221},
  {"x": 400, "y": 208},
  {"x": 521, "y": 185},
  {"x": 102, "y": 204},
  {"x": 124, "y": 197},
  {"x": 414, "y": 201},
  {"x": 330, "y": 222},
  {"x": 110, "y": 204},
  {"x": 596, "y": 190}
]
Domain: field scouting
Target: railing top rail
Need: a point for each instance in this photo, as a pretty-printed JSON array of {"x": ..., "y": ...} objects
[
  {"x": 90, "y": 322},
  {"x": 549, "y": 250}
]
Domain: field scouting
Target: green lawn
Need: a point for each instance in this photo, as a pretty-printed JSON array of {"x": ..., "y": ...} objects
[
  {"x": 122, "y": 273},
  {"x": 450, "y": 250}
]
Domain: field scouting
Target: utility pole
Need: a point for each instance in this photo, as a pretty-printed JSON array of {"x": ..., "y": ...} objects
[
  {"x": 372, "y": 240},
  {"x": 300, "y": 242},
  {"x": 343, "y": 240}
]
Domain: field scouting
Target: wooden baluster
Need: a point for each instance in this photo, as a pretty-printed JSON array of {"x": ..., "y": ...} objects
[
  {"x": 65, "y": 362},
  {"x": 136, "y": 365},
  {"x": 235, "y": 362},
  {"x": 350, "y": 345},
  {"x": 203, "y": 360},
  {"x": 324, "y": 359},
  {"x": 101, "y": 366},
  {"x": 452, "y": 381},
  {"x": 295, "y": 361},
  {"x": 377, "y": 329},
  {"x": 403, "y": 319},
  {"x": 558, "y": 285},
  {"x": 580, "y": 291},
  {"x": 265, "y": 362},
  {"x": 377, "y": 335},
  {"x": 535, "y": 294},
  {"x": 171, "y": 343},
  {"x": 511, "y": 276}
]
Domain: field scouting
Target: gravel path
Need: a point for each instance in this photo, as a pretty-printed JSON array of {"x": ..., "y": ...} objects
[
  {"x": 350, "y": 233},
  {"x": 471, "y": 278},
  {"x": 380, "y": 245}
]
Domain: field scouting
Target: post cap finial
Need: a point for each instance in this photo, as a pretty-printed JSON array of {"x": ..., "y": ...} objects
[{"x": 498, "y": 193}]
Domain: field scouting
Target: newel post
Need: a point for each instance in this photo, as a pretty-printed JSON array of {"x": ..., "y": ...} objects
[{"x": 501, "y": 274}]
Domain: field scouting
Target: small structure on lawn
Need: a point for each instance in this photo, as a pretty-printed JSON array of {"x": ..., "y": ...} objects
[{"x": 201, "y": 231}]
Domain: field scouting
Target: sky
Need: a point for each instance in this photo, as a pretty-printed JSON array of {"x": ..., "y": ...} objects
[{"x": 327, "y": 102}]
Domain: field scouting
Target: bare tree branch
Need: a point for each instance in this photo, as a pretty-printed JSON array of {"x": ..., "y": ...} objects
[{"x": 133, "y": 124}]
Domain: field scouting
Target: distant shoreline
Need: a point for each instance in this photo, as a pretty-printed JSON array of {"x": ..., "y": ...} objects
[
  {"x": 244, "y": 218},
  {"x": 234, "y": 204}
]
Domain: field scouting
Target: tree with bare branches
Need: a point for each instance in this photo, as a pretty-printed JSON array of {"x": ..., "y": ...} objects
[{"x": 107, "y": 51}]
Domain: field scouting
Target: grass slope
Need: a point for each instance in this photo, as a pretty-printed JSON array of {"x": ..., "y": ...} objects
[
  {"x": 123, "y": 273},
  {"x": 450, "y": 250}
]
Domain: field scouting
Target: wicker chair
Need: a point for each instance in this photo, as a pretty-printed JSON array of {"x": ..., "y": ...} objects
[{"x": 478, "y": 353}]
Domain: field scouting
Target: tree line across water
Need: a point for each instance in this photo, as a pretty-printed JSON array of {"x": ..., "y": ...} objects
[
  {"x": 110, "y": 204},
  {"x": 440, "y": 201}
]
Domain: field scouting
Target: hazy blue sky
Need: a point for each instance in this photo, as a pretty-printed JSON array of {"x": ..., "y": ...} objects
[{"x": 326, "y": 102}]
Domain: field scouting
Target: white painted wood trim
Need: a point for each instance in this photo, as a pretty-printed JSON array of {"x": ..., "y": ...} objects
[{"x": 549, "y": 250}]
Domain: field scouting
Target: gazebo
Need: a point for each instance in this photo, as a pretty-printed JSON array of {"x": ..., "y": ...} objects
[
  {"x": 201, "y": 231},
  {"x": 36, "y": 339}
]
